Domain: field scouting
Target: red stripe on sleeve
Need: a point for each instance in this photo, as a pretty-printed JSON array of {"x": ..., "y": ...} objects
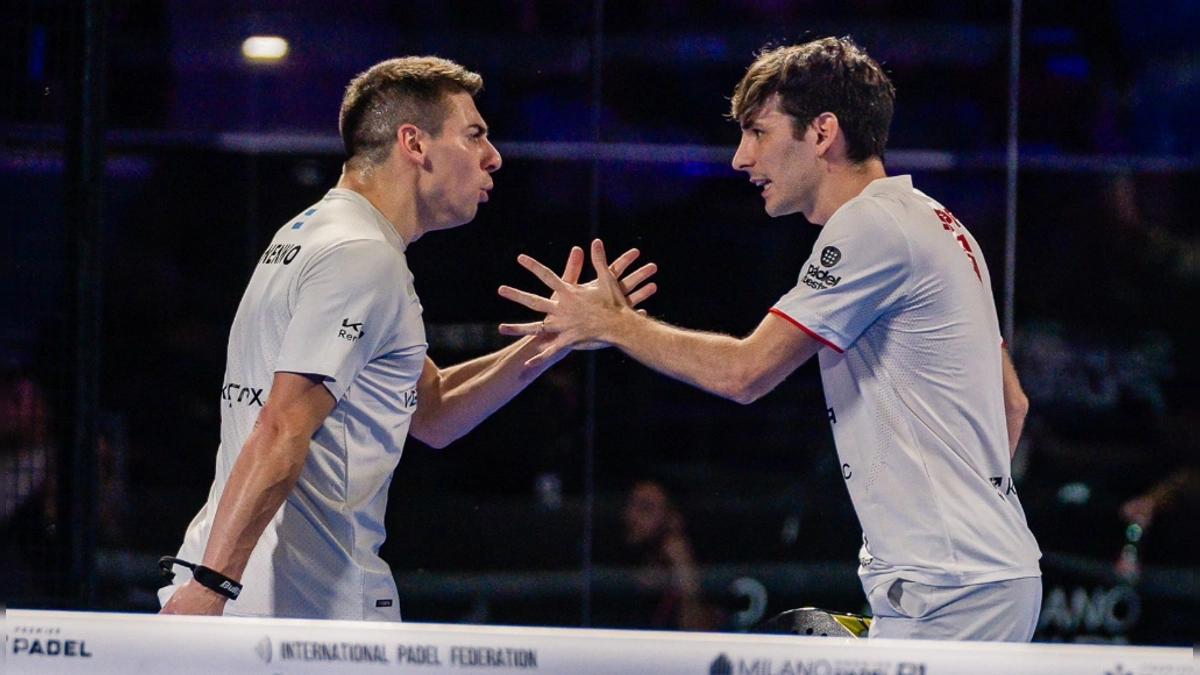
[{"x": 804, "y": 328}]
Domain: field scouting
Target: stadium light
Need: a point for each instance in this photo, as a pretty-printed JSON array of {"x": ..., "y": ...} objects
[{"x": 264, "y": 48}]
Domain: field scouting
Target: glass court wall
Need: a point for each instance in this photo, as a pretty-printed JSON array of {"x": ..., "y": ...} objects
[{"x": 611, "y": 120}]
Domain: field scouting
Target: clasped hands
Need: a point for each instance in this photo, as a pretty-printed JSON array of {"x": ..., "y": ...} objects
[{"x": 580, "y": 316}]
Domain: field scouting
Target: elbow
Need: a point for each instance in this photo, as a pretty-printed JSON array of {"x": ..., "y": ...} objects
[
  {"x": 743, "y": 396},
  {"x": 1017, "y": 405},
  {"x": 431, "y": 438},
  {"x": 743, "y": 387},
  {"x": 437, "y": 442},
  {"x": 436, "y": 436}
]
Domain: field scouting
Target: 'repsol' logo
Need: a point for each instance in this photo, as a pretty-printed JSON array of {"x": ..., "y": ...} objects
[
  {"x": 721, "y": 666},
  {"x": 263, "y": 649},
  {"x": 830, "y": 256},
  {"x": 351, "y": 331}
]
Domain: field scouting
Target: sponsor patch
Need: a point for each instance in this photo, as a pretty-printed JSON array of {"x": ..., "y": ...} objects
[{"x": 830, "y": 255}]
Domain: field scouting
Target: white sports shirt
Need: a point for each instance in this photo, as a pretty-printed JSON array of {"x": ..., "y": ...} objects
[
  {"x": 898, "y": 291},
  {"x": 331, "y": 296}
]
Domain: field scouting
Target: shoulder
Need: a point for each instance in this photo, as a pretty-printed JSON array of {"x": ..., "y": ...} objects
[
  {"x": 364, "y": 256},
  {"x": 342, "y": 214},
  {"x": 874, "y": 218}
]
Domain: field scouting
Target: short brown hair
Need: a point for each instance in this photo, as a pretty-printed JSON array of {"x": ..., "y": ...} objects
[
  {"x": 408, "y": 90},
  {"x": 826, "y": 75}
]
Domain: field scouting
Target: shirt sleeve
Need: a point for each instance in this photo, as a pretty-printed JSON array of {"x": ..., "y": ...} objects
[
  {"x": 858, "y": 270},
  {"x": 346, "y": 304}
]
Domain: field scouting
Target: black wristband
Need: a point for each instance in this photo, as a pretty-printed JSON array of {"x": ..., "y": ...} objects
[
  {"x": 215, "y": 581},
  {"x": 205, "y": 576}
]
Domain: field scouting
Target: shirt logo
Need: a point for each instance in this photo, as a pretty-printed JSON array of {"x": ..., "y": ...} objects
[
  {"x": 351, "y": 331},
  {"x": 279, "y": 254},
  {"x": 830, "y": 256},
  {"x": 1004, "y": 486},
  {"x": 232, "y": 392},
  {"x": 818, "y": 278}
]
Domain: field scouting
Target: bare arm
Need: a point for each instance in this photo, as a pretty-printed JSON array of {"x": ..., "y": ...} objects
[
  {"x": 1016, "y": 404},
  {"x": 738, "y": 369},
  {"x": 454, "y": 400},
  {"x": 262, "y": 477},
  {"x": 694, "y": 613},
  {"x": 1163, "y": 495}
]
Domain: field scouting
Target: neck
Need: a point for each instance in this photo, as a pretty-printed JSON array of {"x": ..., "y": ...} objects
[
  {"x": 842, "y": 182},
  {"x": 385, "y": 189}
]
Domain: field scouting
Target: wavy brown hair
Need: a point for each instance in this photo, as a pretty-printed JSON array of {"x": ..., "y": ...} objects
[{"x": 826, "y": 75}]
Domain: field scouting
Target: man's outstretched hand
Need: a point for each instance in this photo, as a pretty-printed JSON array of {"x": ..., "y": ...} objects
[{"x": 580, "y": 316}]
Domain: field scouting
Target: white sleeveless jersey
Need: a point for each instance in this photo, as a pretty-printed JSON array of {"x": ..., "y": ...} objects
[
  {"x": 332, "y": 296},
  {"x": 899, "y": 292}
]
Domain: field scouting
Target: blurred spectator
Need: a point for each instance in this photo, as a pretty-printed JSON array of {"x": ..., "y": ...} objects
[
  {"x": 1165, "y": 495},
  {"x": 112, "y": 493},
  {"x": 654, "y": 529},
  {"x": 1158, "y": 517},
  {"x": 30, "y": 487},
  {"x": 33, "y": 546},
  {"x": 1157, "y": 44},
  {"x": 28, "y": 451}
]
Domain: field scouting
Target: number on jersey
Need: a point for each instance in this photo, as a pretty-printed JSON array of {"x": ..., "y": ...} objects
[{"x": 951, "y": 225}]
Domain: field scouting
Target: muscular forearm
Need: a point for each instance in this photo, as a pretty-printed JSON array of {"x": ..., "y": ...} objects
[
  {"x": 713, "y": 362},
  {"x": 262, "y": 477},
  {"x": 456, "y": 376},
  {"x": 459, "y": 397}
]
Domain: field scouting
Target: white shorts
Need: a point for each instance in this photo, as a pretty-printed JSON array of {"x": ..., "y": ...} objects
[{"x": 1002, "y": 611}]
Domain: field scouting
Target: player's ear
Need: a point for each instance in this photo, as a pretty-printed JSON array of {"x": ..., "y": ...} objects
[
  {"x": 410, "y": 143},
  {"x": 827, "y": 127}
]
